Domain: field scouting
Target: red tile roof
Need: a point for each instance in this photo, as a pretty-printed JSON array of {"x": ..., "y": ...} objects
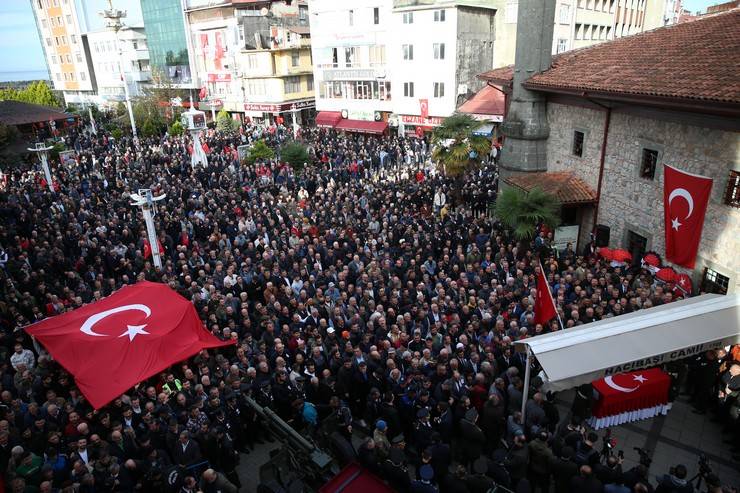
[
  {"x": 693, "y": 61},
  {"x": 487, "y": 101},
  {"x": 500, "y": 76},
  {"x": 568, "y": 188}
]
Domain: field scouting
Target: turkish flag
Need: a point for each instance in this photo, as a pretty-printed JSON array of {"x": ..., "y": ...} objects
[
  {"x": 627, "y": 392},
  {"x": 424, "y": 107},
  {"x": 685, "y": 199},
  {"x": 112, "y": 345},
  {"x": 544, "y": 305}
]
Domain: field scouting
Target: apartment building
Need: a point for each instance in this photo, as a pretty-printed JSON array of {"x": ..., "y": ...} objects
[
  {"x": 581, "y": 23},
  {"x": 117, "y": 60},
  {"x": 275, "y": 65},
  {"x": 65, "y": 48},
  {"x": 406, "y": 64}
]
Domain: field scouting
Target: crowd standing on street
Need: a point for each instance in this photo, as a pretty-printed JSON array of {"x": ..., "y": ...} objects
[{"x": 370, "y": 296}]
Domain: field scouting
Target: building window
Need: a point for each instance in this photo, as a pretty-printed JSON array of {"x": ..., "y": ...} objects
[
  {"x": 408, "y": 17},
  {"x": 69, "y": 19},
  {"x": 73, "y": 37},
  {"x": 83, "y": 76},
  {"x": 408, "y": 89},
  {"x": 295, "y": 59},
  {"x": 48, "y": 41},
  {"x": 43, "y": 23},
  {"x": 562, "y": 45},
  {"x": 439, "y": 51},
  {"x": 377, "y": 54},
  {"x": 512, "y": 11},
  {"x": 376, "y": 16},
  {"x": 649, "y": 163},
  {"x": 292, "y": 84},
  {"x": 408, "y": 52},
  {"x": 309, "y": 83},
  {"x": 351, "y": 17},
  {"x": 714, "y": 282},
  {"x": 579, "y": 32},
  {"x": 350, "y": 55},
  {"x": 439, "y": 89},
  {"x": 79, "y": 57},
  {"x": 302, "y": 13},
  {"x": 69, "y": 58},
  {"x": 58, "y": 76},
  {"x": 565, "y": 14},
  {"x": 732, "y": 193},
  {"x": 636, "y": 244},
  {"x": 578, "y": 143},
  {"x": 439, "y": 16}
]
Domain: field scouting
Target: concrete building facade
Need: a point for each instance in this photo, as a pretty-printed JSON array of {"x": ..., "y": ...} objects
[
  {"x": 582, "y": 23},
  {"x": 105, "y": 48},
  {"x": 403, "y": 63},
  {"x": 61, "y": 29}
]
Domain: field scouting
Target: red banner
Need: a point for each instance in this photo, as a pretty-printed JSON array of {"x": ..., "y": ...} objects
[
  {"x": 424, "y": 108},
  {"x": 685, "y": 200}
]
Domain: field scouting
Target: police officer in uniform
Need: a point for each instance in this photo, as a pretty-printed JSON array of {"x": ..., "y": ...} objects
[
  {"x": 394, "y": 470},
  {"x": 424, "y": 484},
  {"x": 422, "y": 429}
]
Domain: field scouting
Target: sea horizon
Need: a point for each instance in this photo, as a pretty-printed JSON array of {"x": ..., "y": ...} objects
[{"x": 23, "y": 75}]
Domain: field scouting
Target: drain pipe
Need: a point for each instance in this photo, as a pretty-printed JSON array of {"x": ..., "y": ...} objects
[{"x": 602, "y": 158}]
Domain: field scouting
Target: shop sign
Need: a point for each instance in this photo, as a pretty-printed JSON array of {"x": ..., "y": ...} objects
[{"x": 431, "y": 121}]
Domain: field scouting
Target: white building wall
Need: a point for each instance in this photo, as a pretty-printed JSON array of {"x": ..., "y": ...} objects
[
  {"x": 424, "y": 70},
  {"x": 134, "y": 59}
]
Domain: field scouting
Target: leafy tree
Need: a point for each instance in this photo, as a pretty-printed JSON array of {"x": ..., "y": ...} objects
[
  {"x": 260, "y": 150},
  {"x": 176, "y": 129},
  {"x": 8, "y": 135},
  {"x": 522, "y": 211},
  {"x": 224, "y": 122},
  {"x": 37, "y": 92},
  {"x": 149, "y": 128},
  {"x": 116, "y": 133},
  {"x": 120, "y": 108},
  {"x": 294, "y": 153},
  {"x": 455, "y": 147}
]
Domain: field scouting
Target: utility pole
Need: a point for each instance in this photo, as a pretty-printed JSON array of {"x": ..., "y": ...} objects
[
  {"x": 113, "y": 18},
  {"x": 42, "y": 150},
  {"x": 148, "y": 204}
]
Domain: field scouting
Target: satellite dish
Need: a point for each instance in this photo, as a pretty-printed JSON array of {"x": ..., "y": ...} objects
[{"x": 264, "y": 11}]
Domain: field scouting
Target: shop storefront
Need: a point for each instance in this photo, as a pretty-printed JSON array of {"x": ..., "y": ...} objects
[{"x": 301, "y": 112}]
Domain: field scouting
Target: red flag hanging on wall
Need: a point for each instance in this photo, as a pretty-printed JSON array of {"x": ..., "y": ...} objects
[
  {"x": 113, "y": 344},
  {"x": 544, "y": 305},
  {"x": 424, "y": 108},
  {"x": 685, "y": 199}
]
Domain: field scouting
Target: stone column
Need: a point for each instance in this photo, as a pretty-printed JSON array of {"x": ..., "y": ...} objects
[{"x": 526, "y": 128}]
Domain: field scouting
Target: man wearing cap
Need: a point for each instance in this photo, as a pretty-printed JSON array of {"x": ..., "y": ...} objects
[
  {"x": 422, "y": 429},
  {"x": 424, "y": 483},
  {"x": 381, "y": 439},
  {"x": 394, "y": 470}
]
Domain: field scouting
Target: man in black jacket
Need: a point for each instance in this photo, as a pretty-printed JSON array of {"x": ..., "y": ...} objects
[{"x": 564, "y": 469}]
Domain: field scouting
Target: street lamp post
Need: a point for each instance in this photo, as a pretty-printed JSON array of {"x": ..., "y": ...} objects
[
  {"x": 42, "y": 150},
  {"x": 114, "y": 21},
  {"x": 147, "y": 202}
]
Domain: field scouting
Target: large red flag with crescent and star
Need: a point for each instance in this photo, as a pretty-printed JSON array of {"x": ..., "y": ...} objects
[
  {"x": 113, "y": 344},
  {"x": 544, "y": 305},
  {"x": 685, "y": 199}
]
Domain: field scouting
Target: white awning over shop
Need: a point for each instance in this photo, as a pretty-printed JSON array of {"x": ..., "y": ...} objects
[{"x": 636, "y": 340}]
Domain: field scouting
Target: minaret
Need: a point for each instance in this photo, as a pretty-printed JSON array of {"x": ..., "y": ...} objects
[{"x": 526, "y": 128}]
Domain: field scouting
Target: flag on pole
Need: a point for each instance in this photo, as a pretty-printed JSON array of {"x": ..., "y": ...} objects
[{"x": 544, "y": 304}]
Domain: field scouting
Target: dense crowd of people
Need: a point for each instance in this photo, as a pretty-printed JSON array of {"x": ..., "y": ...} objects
[{"x": 370, "y": 299}]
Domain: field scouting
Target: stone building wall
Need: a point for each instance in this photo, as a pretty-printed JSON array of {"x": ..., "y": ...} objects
[{"x": 630, "y": 202}]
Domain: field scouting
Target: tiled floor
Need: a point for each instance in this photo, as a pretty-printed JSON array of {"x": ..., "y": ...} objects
[{"x": 678, "y": 438}]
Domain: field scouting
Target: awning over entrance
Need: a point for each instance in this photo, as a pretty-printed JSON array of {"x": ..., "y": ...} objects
[
  {"x": 362, "y": 126},
  {"x": 636, "y": 340},
  {"x": 487, "y": 104},
  {"x": 328, "y": 118},
  {"x": 568, "y": 188},
  {"x": 485, "y": 130}
]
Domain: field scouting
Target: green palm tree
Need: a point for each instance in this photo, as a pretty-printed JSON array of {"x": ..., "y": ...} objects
[
  {"x": 456, "y": 149},
  {"x": 522, "y": 211}
]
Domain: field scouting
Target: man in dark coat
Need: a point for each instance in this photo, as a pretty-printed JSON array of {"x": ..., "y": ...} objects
[
  {"x": 564, "y": 469},
  {"x": 472, "y": 437},
  {"x": 586, "y": 482}
]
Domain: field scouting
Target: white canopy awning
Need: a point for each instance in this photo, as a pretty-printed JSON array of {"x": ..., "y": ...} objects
[{"x": 636, "y": 340}]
